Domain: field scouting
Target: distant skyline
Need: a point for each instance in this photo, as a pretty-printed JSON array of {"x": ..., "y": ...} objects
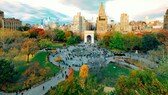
[{"x": 32, "y": 11}]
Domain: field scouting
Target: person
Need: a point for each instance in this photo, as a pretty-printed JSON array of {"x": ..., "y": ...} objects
[{"x": 43, "y": 87}]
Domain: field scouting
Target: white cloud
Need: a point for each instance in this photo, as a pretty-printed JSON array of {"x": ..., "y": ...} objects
[{"x": 135, "y": 8}]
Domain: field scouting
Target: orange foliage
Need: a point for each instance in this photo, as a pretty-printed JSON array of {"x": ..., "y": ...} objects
[
  {"x": 42, "y": 72},
  {"x": 37, "y": 30},
  {"x": 70, "y": 73},
  {"x": 68, "y": 34},
  {"x": 84, "y": 71}
]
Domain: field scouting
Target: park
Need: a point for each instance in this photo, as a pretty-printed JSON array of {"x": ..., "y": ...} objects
[{"x": 47, "y": 66}]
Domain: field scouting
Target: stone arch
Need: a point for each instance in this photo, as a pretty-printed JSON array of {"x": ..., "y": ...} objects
[{"x": 89, "y": 37}]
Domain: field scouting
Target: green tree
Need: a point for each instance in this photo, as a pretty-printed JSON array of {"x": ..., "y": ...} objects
[
  {"x": 23, "y": 28},
  {"x": 149, "y": 42},
  {"x": 78, "y": 39},
  {"x": 7, "y": 71},
  {"x": 131, "y": 41},
  {"x": 60, "y": 35},
  {"x": 140, "y": 83},
  {"x": 117, "y": 41},
  {"x": 44, "y": 43},
  {"x": 71, "y": 40}
]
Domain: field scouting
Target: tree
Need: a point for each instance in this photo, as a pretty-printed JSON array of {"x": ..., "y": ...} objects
[
  {"x": 140, "y": 83},
  {"x": 78, "y": 39},
  {"x": 60, "y": 35},
  {"x": 23, "y": 28},
  {"x": 107, "y": 38},
  {"x": 84, "y": 71},
  {"x": 29, "y": 46},
  {"x": 149, "y": 42},
  {"x": 7, "y": 71},
  {"x": 131, "y": 41},
  {"x": 71, "y": 40},
  {"x": 34, "y": 33},
  {"x": 44, "y": 43},
  {"x": 73, "y": 87},
  {"x": 68, "y": 34},
  {"x": 117, "y": 41},
  {"x": 83, "y": 74}
]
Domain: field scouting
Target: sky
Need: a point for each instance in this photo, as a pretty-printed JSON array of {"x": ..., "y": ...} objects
[{"x": 32, "y": 11}]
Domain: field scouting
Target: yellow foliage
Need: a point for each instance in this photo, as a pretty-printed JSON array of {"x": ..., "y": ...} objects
[
  {"x": 84, "y": 71},
  {"x": 58, "y": 59}
]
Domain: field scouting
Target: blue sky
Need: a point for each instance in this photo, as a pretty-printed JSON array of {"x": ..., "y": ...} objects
[{"x": 31, "y": 11}]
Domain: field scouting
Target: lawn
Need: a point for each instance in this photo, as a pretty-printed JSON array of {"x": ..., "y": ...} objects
[
  {"x": 109, "y": 75},
  {"x": 41, "y": 57},
  {"x": 21, "y": 78}
]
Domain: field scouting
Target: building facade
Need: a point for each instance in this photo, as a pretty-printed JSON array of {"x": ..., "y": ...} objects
[
  {"x": 9, "y": 23},
  {"x": 124, "y": 23},
  {"x": 166, "y": 20},
  {"x": 101, "y": 22},
  {"x": 79, "y": 23}
]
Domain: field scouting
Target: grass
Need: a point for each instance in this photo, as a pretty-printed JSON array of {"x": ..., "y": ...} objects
[
  {"x": 41, "y": 57},
  {"x": 76, "y": 74},
  {"x": 109, "y": 75},
  {"x": 21, "y": 66}
]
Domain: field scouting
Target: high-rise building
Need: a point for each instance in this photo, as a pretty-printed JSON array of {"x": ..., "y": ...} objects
[
  {"x": 101, "y": 22},
  {"x": 79, "y": 23},
  {"x": 166, "y": 20},
  {"x": 124, "y": 23},
  {"x": 10, "y": 23}
]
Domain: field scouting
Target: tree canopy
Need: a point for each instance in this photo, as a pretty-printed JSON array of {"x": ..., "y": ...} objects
[
  {"x": 7, "y": 71},
  {"x": 140, "y": 83}
]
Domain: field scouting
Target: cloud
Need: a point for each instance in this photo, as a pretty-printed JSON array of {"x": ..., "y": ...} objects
[
  {"x": 136, "y": 9},
  {"x": 91, "y": 6},
  {"x": 27, "y": 13}
]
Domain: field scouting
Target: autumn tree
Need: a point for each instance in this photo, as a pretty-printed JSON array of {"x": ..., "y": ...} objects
[
  {"x": 83, "y": 74},
  {"x": 73, "y": 87},
  {"x": 140, "y": 83},
  {"x": 68, "y": 34},
  {"x": 34, "y": 33},
  {"x": 29, "y": 46},
  {"x": 84, "y": 71},
  {"x": 107, "y": 38}
]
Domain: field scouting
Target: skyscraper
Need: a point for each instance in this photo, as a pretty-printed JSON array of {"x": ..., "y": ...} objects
[
  {"x": 101, "y": 22},
  {"x": 79, "y": 23},
  {"x": 166, "y": 20},
  {"x": 124, "y": 23}
]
